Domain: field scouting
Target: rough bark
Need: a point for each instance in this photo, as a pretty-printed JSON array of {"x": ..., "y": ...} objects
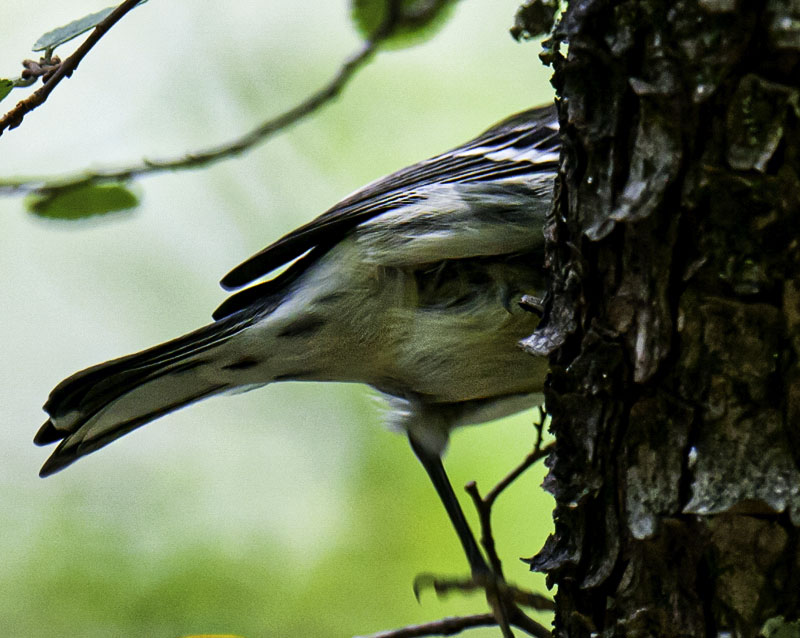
[{"x": 674, "y": 321}]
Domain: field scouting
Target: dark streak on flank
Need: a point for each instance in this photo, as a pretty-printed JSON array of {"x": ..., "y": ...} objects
[
  {"x": 296, "y": 376},
  {"x": 303, "y": 327},
  {"x": 242, "y": 364},
  {"x": 331, "y": 297}
]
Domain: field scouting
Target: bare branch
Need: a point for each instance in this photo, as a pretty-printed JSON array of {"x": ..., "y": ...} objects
[
  {"x": 443, "y": 627},
  {"x": 536, "y": 454},
  {"x": 14, "y": 117},
  {"x": 483, "y": 505},
  {"x": 456, "y": 624},
  {"x": 444, "y": 586},
  {"x": 530, "y": 626},
  {"x": 212, "y": 154}
]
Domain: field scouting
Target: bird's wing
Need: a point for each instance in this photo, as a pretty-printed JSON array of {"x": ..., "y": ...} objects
[{"x": 525, "y": 144}]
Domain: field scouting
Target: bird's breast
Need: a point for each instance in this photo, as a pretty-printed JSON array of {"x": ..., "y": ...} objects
[{"x": 447, "y": 331}]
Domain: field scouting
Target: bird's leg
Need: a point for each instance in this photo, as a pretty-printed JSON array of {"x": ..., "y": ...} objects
[
  {"x": 481, "y": 573},
  {"x": 433, "y": 466}
]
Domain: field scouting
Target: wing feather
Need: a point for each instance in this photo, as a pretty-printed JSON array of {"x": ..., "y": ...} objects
[{"x": 526, "y": 143}]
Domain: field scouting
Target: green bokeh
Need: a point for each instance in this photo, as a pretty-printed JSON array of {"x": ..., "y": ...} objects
[{"x": 288, "y": 511}]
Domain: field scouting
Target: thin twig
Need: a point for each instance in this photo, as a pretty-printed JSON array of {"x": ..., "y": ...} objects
[
  {"x": 444, "y": 586},
  {"x": 443, "y": 627},
  {"x": 532, "y": 458},
  {"x": 485, "y": 518},
  {"x": 223, "y": 151},
  {"x": 530, "y": 626},
  {"x": 14, "y": 117},
  {"x": 484, "y": 504},
  {"x": 501, "y": 610},
  {"x": 456, "y": 624}
]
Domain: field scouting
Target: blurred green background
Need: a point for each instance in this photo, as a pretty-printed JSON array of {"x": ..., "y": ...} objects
[{"x": 289, "y": 511}]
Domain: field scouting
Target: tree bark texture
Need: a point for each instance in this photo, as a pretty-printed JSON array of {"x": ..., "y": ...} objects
[{"x": 673, "y": 324}]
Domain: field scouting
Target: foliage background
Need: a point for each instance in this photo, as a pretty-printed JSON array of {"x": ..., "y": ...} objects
[{"x": 288, "y": 511}]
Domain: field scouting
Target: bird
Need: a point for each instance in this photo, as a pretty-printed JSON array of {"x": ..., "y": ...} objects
[{"x": 410, "y": 285}]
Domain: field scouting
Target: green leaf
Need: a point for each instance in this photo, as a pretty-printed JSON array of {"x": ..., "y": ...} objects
[
  {"x": 83, "y": 201},
  {"x": 5, "y": 87},
  {"x": 418, "y": 20},
  {"x": 60, "y": 35}
]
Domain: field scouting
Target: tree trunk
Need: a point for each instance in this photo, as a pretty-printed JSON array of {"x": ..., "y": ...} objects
[{"x": 673, "y": 325}]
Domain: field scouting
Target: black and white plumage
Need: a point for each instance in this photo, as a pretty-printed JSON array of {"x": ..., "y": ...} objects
[{"x": 409, "y": 285}]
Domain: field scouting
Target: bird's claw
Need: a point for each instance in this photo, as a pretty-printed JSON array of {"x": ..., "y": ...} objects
[{"x": 532, "y": 304}]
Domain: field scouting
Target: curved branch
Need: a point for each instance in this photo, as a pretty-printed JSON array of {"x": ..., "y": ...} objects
[
  {"x": 484, "y": 504},
  {"x": 14, "y": 117},
  {"x": 212, "y": 154},
  {"x": 456, "y": 624},
  {"x": 442, "y": 627}
]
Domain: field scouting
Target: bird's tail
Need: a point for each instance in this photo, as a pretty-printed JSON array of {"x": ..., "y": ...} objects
[{"x": 94, "y": 407}]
